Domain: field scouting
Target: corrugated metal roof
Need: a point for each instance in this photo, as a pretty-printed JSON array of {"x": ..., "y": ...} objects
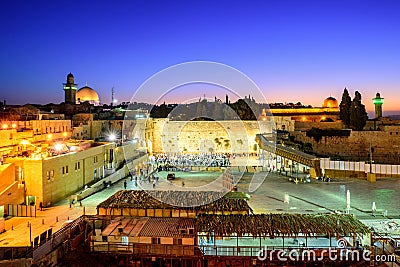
[{"x": 166, "y": 227}]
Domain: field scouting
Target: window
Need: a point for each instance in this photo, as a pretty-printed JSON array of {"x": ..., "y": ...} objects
[
  {"x": 156, "y": 240},
  {"x": 182, "y": 231},
  {"x": 65, "y": 170},
  {"x": 104, "y": 238},
  {"x": 52, "y": 173},
  {"x": 95, "y": 159},
  {"x": 48, "y": 175},
  {"x": 77, "y": 165},
  {"x": 191, "y": 231},
  {"x": 177, "y": 241}
]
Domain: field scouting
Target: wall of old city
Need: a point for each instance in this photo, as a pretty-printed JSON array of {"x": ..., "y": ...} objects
[
  {"x": 306, "y": 125},
  {"x": 386, "y": 145}
]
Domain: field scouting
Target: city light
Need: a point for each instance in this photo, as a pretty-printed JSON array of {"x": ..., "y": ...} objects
[
  {"x": 49, "y": 136},
  {"x": 4, "y": 126},
  {"x": 111, "y": 137},
  {"x": 24, "y": 142},
  {"x": 13, "y": 125},
  {"x": 378, "y": 101},
  {"x": 65, "y": 134},
  {"x": 58, "y": 147}
]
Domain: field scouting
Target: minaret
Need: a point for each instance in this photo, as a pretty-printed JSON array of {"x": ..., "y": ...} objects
[
  {"x": 378, "y": 101},
  {"x": 70, "y": 89}
]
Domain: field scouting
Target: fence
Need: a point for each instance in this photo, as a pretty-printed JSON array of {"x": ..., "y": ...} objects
[
  {"x": 21, "y": 210},
  {"x": 143, "y": 249},
  {"x": 352, "y": 166},
  {"x": 57, "y": 239},
  {"x": 11, "y": 253}
]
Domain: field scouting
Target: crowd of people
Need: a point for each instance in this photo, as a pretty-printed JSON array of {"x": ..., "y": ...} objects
[{"x": 190, "y": 160}]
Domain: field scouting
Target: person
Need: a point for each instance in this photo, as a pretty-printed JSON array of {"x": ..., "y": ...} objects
[
  {"x": 154, "y": 183},
  {"x": 41, "y": 206},
  {"x": 183, "y": 184},
  {"x": 125, "y": 184}
]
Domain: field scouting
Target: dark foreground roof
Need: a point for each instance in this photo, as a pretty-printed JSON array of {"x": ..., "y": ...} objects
[
  {"x": 278, "y": 224},
  {"x": 138, "y": 199}
]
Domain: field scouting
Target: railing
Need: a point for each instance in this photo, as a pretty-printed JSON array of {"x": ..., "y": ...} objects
[
  {"x": 211, "y": 250},
  {"x": 21, "y": 210},
  {"x": 255, "y": 251},
  {"x": 11, "y": 253},
  {"x": 56, "y": 239},
  {"x": 143, "y": 249}
]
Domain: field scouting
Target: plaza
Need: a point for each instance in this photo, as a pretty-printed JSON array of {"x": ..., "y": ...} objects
[{"x": 276, "y": 195}]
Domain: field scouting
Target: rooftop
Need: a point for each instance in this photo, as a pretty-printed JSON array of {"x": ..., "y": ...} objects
[
  {"x": 143, "y": 200},
  {"x": 280, "y": 224}
]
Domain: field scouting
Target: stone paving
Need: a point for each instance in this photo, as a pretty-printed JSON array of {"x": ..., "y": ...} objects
[{"x": 276, "y": 194}]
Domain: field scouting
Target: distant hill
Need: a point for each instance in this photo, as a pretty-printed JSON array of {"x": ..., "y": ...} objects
[{"x": 393, "y": 117}]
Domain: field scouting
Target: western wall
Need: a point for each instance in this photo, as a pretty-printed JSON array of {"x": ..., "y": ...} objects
[{"x": 165, "y": 136}]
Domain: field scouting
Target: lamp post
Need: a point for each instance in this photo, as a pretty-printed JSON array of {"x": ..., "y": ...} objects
[
  {"x": 30, "y": 233},
  {"x": 370, "y": 156},
  {"x": 111, "y": 137}
]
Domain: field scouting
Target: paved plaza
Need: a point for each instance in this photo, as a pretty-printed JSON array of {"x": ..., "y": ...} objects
[{"x": 276, "y": 194}]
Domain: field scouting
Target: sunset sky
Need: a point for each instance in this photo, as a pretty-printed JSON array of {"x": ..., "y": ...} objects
[{"x": 293, "y": 50}]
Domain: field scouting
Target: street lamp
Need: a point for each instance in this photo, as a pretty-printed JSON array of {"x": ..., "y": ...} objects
[
  {"x": 111, "y": 137},
  {"x": 371, "y": 149},
  {"x": 58, "y": 147}
]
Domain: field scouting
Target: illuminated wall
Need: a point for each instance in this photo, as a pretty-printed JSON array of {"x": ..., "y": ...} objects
[{"x": 203, "y": 136}]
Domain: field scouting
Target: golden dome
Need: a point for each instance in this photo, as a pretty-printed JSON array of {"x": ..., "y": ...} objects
[
  {"x": 330, "y": 102},
  {"x": 87, "y": 94}
]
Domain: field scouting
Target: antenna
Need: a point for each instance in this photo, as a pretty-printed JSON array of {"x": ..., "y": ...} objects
[{"x": 112, "y": 96}]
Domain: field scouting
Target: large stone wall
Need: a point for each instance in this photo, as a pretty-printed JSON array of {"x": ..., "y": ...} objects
[
  {"x": 304, "y": 126},
  {"x": 205, "y": 136},
  {"x": 386, "y": 145}
]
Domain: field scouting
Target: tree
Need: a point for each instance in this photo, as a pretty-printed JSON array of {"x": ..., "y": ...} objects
[
  {"x": 345, "y": 105},
  {"x": 358, "y": 114}
]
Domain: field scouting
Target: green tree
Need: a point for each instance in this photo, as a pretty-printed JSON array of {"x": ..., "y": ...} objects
[
  {"x": 345, "y": 105},
  {"x": 358, "y": 114}
]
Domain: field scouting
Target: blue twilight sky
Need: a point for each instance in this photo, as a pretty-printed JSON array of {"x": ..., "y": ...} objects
[{"x": 293, "y": 50}]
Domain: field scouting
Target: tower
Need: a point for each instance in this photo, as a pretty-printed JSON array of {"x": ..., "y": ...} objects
[
  {"x": 70, "y": 89},
  {"x": 378, "y": 101}
]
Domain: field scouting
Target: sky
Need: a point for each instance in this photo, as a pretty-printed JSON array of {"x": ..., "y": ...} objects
[{"x": 293, "y": 50}]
